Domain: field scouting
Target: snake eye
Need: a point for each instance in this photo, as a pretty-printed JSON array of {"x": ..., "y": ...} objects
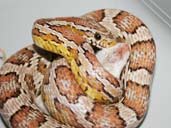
[{"x": 97, "y": 36}]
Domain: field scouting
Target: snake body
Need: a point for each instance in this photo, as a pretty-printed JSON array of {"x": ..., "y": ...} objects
[{"x": 59, "y": 82}]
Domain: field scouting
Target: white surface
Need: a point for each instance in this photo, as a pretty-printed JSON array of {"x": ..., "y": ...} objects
[
  {"x": 17, "y": 16},
  {"x": 161, "y": 9}
]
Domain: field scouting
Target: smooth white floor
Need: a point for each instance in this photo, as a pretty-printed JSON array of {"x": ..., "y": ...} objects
[{"x": 17, "y": 16}]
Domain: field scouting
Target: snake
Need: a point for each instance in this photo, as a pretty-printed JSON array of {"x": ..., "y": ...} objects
[
  {"x": 2, "y": 56},
  {"x": 90, "y": 71}
]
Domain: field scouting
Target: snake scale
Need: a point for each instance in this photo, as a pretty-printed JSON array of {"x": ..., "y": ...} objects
[{"x": 64, "y": 79}]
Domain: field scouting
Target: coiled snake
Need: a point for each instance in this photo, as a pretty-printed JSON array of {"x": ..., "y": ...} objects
[{"x": 65, "y": 80}]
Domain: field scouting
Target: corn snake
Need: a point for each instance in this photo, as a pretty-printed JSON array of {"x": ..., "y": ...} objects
[{"x": 76, "y": 89}]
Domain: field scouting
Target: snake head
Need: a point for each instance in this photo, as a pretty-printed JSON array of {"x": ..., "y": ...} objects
[{"x": 70, "y": 31}]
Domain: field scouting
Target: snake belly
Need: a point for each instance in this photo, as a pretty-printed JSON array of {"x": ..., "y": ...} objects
[{"x": 70, "y": 88}]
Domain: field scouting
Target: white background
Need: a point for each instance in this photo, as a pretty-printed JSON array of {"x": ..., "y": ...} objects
[{"x": 17, "y": 17}]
